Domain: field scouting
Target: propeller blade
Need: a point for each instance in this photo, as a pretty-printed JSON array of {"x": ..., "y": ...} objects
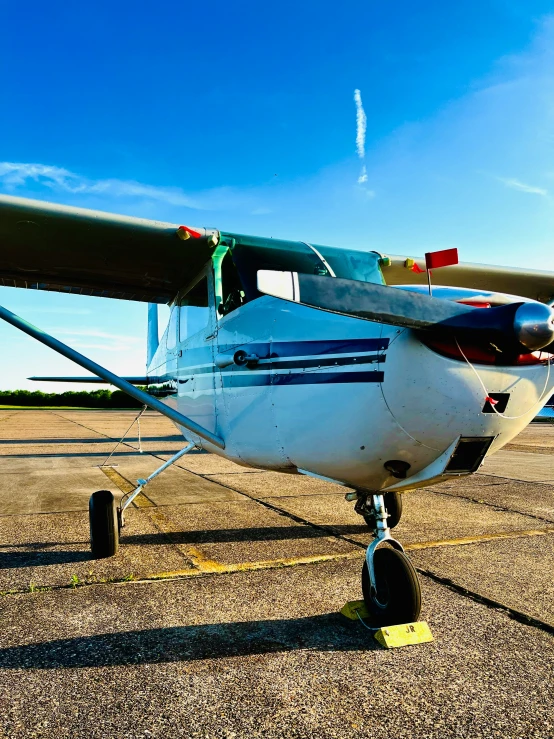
[{"x": 513, "y": 327}]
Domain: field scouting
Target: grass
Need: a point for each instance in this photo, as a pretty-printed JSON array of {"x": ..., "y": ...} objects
[
  {"x": 60, "y": 408},
  {"x": 47, "y": 408}
]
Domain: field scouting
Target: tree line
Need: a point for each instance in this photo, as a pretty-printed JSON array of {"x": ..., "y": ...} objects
[
  {"x": 81, "y": 398},
  {"x": 78, "y": 398}
]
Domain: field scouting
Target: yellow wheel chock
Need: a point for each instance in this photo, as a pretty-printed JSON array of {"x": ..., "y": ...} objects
[{"x": 390, "y": 637}]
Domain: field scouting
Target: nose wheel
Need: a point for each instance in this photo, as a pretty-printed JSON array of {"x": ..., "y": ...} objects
[
  {"x": 397, "y": 597},
  {"x": 390, "y": 585}
]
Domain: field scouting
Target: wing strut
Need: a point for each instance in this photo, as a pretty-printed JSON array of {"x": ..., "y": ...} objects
[{"x": 109, "y": 377}]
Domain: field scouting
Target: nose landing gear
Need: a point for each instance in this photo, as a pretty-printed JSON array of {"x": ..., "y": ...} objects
[
  {"x": 390, "y": 584},
  {"x": 393, "y": 504}
]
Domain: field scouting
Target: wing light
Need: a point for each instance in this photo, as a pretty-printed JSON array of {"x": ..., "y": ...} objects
[{"x": 186, "y": 232}]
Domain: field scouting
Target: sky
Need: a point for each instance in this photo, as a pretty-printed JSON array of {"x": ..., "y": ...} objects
[{"x": 393, "y": 126}]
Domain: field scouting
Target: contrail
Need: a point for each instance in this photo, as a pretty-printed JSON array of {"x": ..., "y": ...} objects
[{"x": 361, "y": 124}]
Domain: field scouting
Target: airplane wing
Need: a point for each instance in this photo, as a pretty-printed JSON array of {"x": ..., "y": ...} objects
[
  {"x": 527, "y": 283},
  {"x": 44, "y": 246}
]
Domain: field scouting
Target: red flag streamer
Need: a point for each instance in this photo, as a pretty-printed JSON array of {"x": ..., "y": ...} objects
[
  {"x": 436, "y": 259},
  {"x": 444, "y": 258}
]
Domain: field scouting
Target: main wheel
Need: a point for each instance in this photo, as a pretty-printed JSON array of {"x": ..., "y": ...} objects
[
  {"x": 104, "y": 529},
  {"x": 393, "y": 504},
  {"x": 398, "y": 598}
]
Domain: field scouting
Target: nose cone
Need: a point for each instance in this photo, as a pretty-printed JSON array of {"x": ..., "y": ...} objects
[
  {"x": 434, "y": 399},
  {"x": 534, "y": 325}
]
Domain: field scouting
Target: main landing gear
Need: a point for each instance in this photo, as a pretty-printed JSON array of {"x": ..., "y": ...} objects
[
  {"x": 106, "y": 519},
  {"x": 390, "y": 584},
  {"x": 104, "y": 524}
]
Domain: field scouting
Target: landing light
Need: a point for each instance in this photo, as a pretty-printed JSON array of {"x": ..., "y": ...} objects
[{"x": 397, "y": 468}]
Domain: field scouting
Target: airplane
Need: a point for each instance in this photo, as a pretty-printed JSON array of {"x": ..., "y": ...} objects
[{"x": 345, "y": 365}]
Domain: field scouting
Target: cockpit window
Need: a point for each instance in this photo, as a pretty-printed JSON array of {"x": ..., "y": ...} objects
[
  {"x": 251, "y": 255},
  {"x": 353, "y": 265},
  {"x": 194, "y": 311},
  {"x": 233, "y": 293}
]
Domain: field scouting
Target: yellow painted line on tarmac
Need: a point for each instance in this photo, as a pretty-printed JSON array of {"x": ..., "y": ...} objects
[
  {"x": 478, "y": 539},
  {"x": 204, "y": 566},
  {"x": 122, "y": 483},
  {"x": 141, "y": 501}
]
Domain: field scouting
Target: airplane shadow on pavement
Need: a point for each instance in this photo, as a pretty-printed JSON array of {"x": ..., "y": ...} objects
[
  {"x": 257, "y": 533},
  {"x": 36, "y": 554},
  {"x": 36, "y": 454},
  {"x": 326, "y": 632},
  {"x": 15, "y": 559},
  {"x": 48, "y": 440}
]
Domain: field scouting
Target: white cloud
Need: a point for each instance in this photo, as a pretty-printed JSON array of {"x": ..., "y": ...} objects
[
  {"x": 522, "y": 187},
  {"x": 361, "y": 124},
  {"x": 16, "y": 176}
]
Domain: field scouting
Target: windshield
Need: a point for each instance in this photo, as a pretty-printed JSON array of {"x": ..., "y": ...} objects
[
  {"x": 353, "y": 265},
  {"x": 252, "y": 254}
]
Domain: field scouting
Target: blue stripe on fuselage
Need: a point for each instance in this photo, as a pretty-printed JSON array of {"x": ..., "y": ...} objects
[
  {"x": 257, "y": 379},
  {"x": 304, "y": 363},
  {"x": 281, "y": 350}
]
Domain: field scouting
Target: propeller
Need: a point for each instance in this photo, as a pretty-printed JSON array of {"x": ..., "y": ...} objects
[{"x": 516, "y": 327}]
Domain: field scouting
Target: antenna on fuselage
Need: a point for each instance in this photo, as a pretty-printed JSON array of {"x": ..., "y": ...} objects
[{"x": 152, "y": 340}]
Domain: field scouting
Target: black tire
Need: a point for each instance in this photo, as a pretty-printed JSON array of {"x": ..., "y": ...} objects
[
  {"x": 104, "y": 529},
  {"x": 398, "y": 589},
  {"x": 393, "y": 504}
]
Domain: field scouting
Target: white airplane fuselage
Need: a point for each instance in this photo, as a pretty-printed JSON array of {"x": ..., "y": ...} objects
[{"x": 338, "y": 397}]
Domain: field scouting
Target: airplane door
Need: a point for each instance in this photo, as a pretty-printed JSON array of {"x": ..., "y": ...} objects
[
  {"x": 195, "y": 351},
  {"x": 164, "y": 363},
  {"x": 245, "y": 413},
  {"x": 171, "y": 338}
]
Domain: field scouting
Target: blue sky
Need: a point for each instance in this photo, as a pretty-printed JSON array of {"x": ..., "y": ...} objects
[{"x": 241, "y": 115}]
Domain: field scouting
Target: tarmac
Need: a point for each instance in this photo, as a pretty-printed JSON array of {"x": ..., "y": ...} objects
[{"x": 219, "y": 616}]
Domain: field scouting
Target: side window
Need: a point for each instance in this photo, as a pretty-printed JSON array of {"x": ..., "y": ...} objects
[
  {"x": 172, "y": 329},
  {"x": 194, "y": 310},
  {"x": 233, "y": 292}
]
